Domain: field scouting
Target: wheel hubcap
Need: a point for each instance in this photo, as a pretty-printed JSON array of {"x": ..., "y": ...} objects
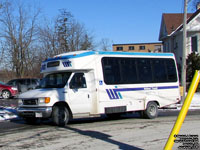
[
  {"x": 152, "y": 110},
  {"x": 5, "y": 95}
]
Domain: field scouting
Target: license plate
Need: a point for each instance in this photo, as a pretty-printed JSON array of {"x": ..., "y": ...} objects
[{"x": 38, "y": 115}]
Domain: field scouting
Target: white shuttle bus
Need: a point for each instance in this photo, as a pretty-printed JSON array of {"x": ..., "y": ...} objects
[{"x": 91, "y": 83}]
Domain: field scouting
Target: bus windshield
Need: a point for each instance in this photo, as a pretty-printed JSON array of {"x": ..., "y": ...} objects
[{"x": 55, "y": 80}]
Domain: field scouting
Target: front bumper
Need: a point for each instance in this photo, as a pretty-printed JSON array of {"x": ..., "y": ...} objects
[{"x": 38, "y": 112}]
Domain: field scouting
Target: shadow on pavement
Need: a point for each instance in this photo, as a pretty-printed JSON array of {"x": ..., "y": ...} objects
[{"x": 104, "y": 137}]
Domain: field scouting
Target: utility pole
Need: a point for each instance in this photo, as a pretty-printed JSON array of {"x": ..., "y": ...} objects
[{"x": 183, "y": 74}]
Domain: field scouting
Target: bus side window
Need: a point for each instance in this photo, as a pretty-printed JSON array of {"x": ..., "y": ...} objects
[
  {"x": 159, "y": 70},
  {"x": 144, "y": 70},
  {"x": 171, "y": 70},
  {"x": 78, "y": 81}
]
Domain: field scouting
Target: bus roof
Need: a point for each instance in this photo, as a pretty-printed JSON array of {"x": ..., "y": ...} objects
[{"x": 78, "y": 54}]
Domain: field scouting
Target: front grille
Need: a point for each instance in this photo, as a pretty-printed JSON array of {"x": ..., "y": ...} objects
[{"x": 30, "y": 101}]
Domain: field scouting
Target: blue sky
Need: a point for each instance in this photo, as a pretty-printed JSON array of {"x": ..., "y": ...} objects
[{"x": 120, "y": 21}]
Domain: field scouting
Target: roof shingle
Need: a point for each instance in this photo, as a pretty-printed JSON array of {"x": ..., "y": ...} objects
[{"x": 173, "y": 21}]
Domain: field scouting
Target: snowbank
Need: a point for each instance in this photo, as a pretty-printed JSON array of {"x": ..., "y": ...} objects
[
  {"x": 196, "y": 100},
  {"x": 195, "y": 103},
  {"x": 7, "y": 113}
]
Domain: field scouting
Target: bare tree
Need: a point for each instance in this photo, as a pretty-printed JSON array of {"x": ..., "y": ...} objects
[
  {"x": 25, "y": 44},
  {"x": 87, "y": 42},
  {"x": 105, "y": 44},
  {"x": 64, "y": 35},
  {"x": 62, "y": 27},
  {"x": 2, "y": 49},
  {"x": 48, "y": 41},
  {"x": 18, "y": 32},
  {"x": 79, "y": 39}
]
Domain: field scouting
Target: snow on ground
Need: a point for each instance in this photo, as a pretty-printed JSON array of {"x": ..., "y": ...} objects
[
  {"x": 196, "y": 100},
  {"x": 195, "y": 103},
  {"x": 7, "y": 113}
]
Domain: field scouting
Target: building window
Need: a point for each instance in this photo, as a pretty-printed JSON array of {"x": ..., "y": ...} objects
[
  {"x": 157, "y": 48},
  {"x": 119, "y": 48},
  {"x": 194, "y": 44},
  {"x": 142, "y": 47},
  {"x": 131, "y": 48}
]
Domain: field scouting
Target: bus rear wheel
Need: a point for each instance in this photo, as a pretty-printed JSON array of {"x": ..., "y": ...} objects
[{"x": 151, "y": 111}]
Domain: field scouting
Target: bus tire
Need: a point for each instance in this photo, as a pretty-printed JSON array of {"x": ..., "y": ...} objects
[
  {"x": 60, "y": 115},
  {"x": 151, "y": 111}
]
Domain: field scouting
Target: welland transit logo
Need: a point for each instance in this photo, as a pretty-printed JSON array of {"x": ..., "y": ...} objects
[
  {"x": 116, "y": 93},
  {"x": 67, "y": 63}
]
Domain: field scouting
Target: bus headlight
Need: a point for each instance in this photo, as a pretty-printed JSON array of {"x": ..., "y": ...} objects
[{"x": 44, "y": 100}]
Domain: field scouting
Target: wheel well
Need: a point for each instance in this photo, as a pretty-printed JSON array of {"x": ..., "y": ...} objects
[
  {"x": 4, "y": 90},
  {"x": 155, "y": 102},
  {"x": 66, "y": 105}
]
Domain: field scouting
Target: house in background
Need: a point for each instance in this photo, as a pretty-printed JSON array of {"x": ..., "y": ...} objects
[
  {"x": 171, "y": 33},
  {"x": 138, "y": 47}
]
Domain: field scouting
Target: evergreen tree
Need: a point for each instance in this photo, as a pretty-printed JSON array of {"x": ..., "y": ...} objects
[
  {"x": 193, "y": 63},
  {"x": 62, "y": 30}
]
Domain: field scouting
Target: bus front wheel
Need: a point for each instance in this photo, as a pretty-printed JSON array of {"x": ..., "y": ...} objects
[{"x": 60, "y": 115}]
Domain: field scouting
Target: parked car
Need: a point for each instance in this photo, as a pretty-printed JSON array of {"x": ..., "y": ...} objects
[
  {"x": 25, "y": 84},
  {"x": 7, "y": 91}
]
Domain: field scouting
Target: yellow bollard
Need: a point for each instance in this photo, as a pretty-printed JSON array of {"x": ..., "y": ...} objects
[{"x": 183, "y": 112}]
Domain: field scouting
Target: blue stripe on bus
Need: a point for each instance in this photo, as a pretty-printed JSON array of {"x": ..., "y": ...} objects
[
  {"x": 106, "y": 53},
  {"x": 115, "y": 93},
  {"x": 135, "y": 53}
]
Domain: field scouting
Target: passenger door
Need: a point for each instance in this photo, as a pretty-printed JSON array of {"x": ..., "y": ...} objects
[{"x": 79, "y": 95}]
